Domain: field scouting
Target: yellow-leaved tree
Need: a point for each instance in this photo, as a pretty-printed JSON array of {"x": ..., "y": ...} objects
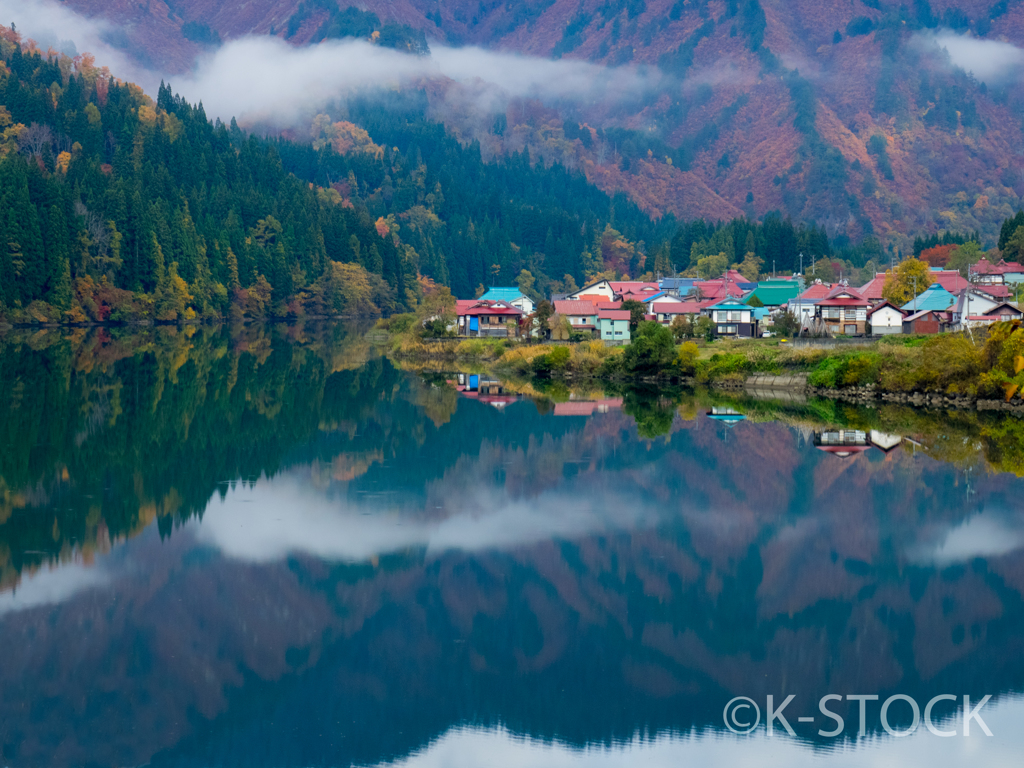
[{"x": 909, "y": 279}]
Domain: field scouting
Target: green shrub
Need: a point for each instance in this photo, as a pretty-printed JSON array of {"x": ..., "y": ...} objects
[
  {"x": 722, "y": 365},
  {"x": 686, "y": 358}
]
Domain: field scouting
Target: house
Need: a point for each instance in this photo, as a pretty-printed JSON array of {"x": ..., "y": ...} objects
[
  {"x": 885, "y": 318},
  {"x": 884, "y": 441},
  {"x": 926, "y": 321},
  {"x": 664, "y": 311},
  {"x": 842, "y": 442},
  {"x": 933, "y": 297},
  {"x": 677, "y": 286},
  {"x": 484, "y": 389},
  {"x": 949, "y": 279},
  {"x": 613, "y": 326},
  {"x": 1001, "y": 313},
  {"x": 1003, "y": 273},
  {"x": 803, "y": 305},
  {"x": 610, "y": 290},
  {"x": 717, "y": 290},
  {"x": 588, "y": 407},
  {"x": 972, "y": 302},
  {"x": 480, "y": 317},
  {"x": 731, "y": 318},
  {"x": 513, "y": 296},
  {"x": 843, "y": 310},
  {"x": 775, "y": 293},
  {"x": 728, "y": 416},
  {"x": 582, "y": 315}
]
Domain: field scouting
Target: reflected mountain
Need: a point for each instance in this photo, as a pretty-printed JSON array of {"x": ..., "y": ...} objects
[{"x": 272, "y": 548}]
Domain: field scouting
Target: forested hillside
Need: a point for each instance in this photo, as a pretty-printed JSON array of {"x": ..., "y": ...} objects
[
  {"x": 846, "y": 113},
  {"x": 116, "y": 207}
]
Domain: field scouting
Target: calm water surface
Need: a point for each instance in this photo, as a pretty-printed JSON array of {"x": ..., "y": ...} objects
[{"x": 271, "y": 547}]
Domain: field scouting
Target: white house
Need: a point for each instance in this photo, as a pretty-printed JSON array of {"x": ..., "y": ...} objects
[
  {"x": 885, "y": 318},
  {"x": 971, "y": 303}
]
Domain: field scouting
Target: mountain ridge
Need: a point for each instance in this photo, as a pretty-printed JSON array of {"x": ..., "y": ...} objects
[{"x": 845, "y": 72}]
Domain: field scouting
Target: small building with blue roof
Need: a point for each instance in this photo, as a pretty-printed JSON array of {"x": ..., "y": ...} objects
[
  {"x": 513, "y": 296},
  {"x": 935, "y": 298}
]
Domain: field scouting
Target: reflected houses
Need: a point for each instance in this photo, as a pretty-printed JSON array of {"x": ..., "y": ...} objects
[
  {"x": 845, "y": 443},
  {"x": 485, "y": 389},
  {"x": 588, "y": 407},
  {"x": 728, "y": 416}
]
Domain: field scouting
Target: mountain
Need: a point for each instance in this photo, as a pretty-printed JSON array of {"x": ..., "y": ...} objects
[{"x": 846, "y": 113}]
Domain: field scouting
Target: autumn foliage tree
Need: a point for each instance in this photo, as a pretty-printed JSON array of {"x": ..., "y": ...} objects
[{"x": 909, "y": 279}]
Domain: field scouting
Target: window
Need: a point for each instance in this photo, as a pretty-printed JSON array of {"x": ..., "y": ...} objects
[
  {"x": 618, "y": 333},
  {"x": 849, "y": 330}
]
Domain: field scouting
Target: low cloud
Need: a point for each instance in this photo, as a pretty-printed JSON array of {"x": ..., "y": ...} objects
[
  {"x": 990, "y": 61},
  {"x": 988, "y": 534},
  {"x": 265, "y": 80},
  {"x": 284, "y": 516},
  {"x": 52, "y": 25},
  {"x": 51, "y": 586}
]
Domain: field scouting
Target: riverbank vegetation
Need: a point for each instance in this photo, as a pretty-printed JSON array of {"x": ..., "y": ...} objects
[{"x": 987, "y": 364}]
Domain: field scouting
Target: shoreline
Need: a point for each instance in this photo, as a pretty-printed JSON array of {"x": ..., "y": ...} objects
[{"x": 444, "y": 353}]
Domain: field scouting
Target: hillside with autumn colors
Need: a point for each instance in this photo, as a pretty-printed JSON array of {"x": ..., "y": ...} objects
[{"x": 849, "y": 114}]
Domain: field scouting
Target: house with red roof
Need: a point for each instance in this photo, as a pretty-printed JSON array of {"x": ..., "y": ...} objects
[
  {"x": 844, "y": 310},
  {"x": 479, "y": 317},
  {"x": 588, "y": 407},
  {"x": 1003, "y": 273},
  {"x": 804, "y": 303},
  {"x": 666, "y": 310},
  {"x": 613, "y": 326},
  {"x": 843, "y": 443},
  {"x": 612, "y": 290},
  {"x": 582, "y": 315},
  {"x": 950, "y": 279},
  {"x": 926, "y": 321}
]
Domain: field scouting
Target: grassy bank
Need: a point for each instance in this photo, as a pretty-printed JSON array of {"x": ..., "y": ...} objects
[{"x": 988, "y": 365}]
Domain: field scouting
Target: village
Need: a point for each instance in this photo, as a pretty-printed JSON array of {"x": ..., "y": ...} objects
[{"x": 732, "y": 306}]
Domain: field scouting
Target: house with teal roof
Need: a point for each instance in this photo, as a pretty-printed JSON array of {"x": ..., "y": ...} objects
[
  {"x": 513, "y": 296},
  {"x": 935, "y": 298}
]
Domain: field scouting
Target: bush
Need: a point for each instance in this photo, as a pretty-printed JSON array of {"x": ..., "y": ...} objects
[
  {"x": 850, "y": 370},
  {"x": 721, "y": 366},
  {"x": 651, "y": 349},
  {"x": 686, "y": 358},
  {"x": 555, "y": 360}
]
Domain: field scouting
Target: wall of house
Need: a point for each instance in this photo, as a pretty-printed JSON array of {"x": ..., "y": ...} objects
[{"x": 922, "y": 326}]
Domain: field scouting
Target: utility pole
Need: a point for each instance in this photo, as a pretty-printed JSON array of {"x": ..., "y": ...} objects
[
  {"x": 801, "y": 262},
  {"x": 773, "y": 269},
  {"x": 915, "y": 294}
]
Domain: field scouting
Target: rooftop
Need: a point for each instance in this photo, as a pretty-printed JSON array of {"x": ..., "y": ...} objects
[
  {"x": 502, "y": 294},
  {"x": 933, "y": 297},
  {"x": 776, "y": 293}
]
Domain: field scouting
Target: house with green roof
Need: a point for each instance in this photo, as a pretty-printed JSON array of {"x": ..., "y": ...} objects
[
  {"x": 513, "y": 296},
  {"x": 775, "y": 293}
]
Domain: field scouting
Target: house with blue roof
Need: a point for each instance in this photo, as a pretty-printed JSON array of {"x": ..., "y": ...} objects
[
  {"x": 731, "y": 318},
  {"x": 934, "y": 298},
  {"x": 513, "y": 296}
]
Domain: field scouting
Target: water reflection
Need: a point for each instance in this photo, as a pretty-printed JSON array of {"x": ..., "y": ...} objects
[{"x": 274, "y": 548}]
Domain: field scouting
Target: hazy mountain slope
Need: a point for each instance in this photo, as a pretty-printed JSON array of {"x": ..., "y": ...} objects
[{"x": 773, "y": 104}]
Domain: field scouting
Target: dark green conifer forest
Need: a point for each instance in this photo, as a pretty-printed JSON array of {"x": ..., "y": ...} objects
[{"x": 118, "y": 208}]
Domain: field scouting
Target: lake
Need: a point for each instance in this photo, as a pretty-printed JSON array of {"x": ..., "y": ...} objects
[{"x": 271, "y": 546}]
